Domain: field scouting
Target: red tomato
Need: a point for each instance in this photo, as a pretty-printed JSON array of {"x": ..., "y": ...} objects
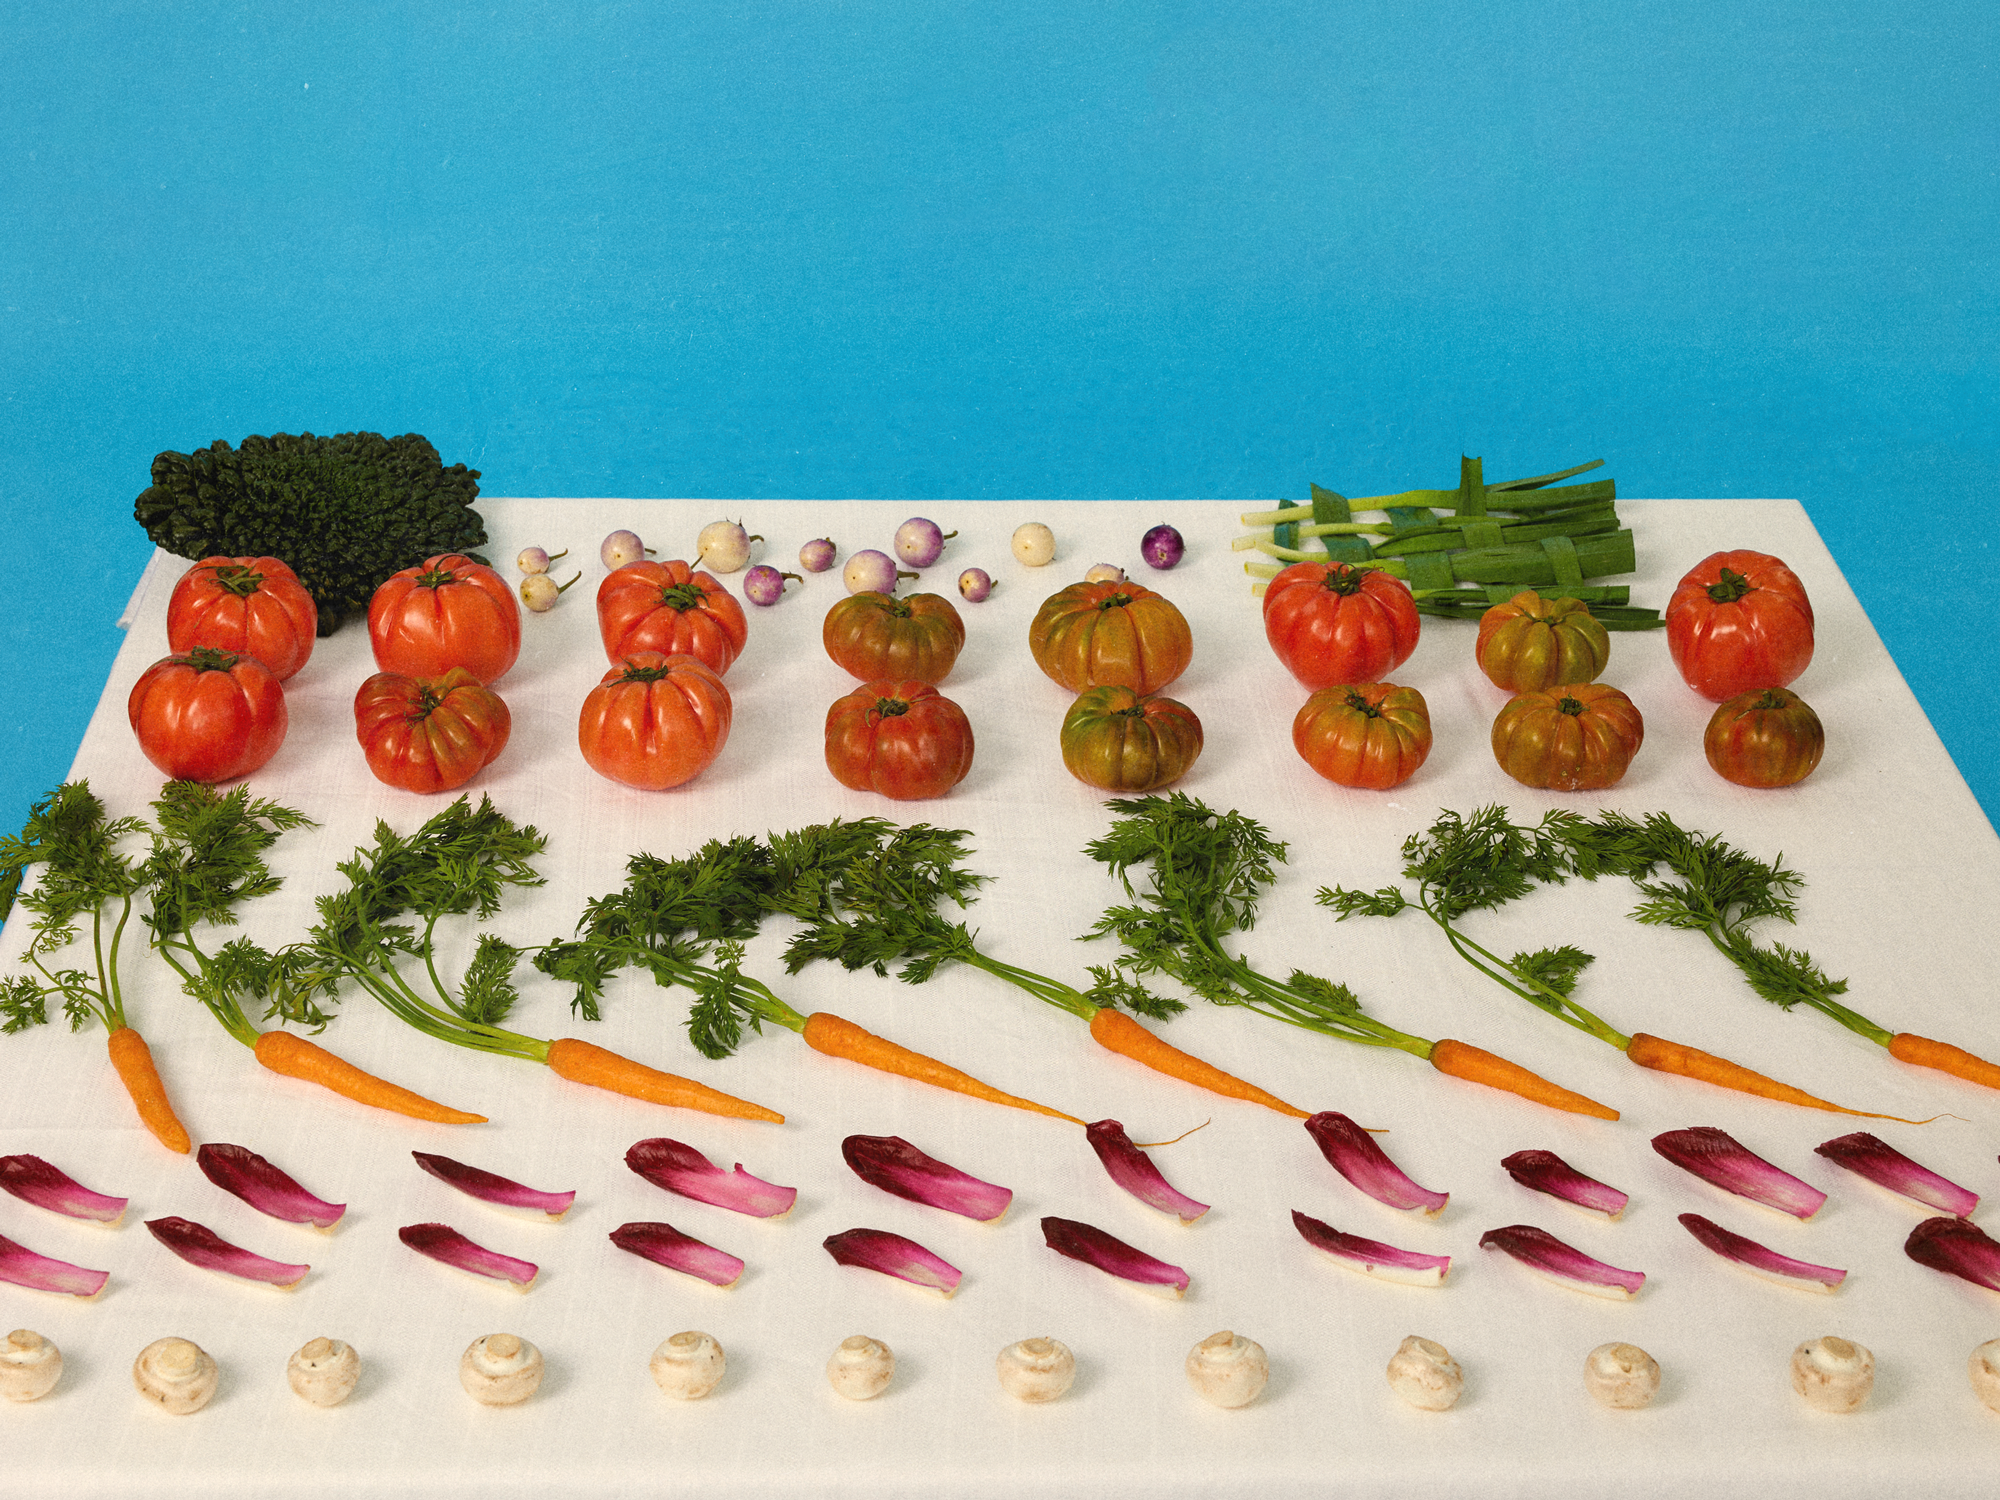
[
  {"x": 429, "y": 734},
  {"x": 1110, "y": 635},
  {"x": 255, "y": 605},
  {"x": 903, "y": 739},
  {"x": 1117, "y": 741},
  {"x": 1739, "y": 621},
  {"x": 1371, "y": 735},
  {"x": 448, "y": 612},
  {"x": 1531, "y": 642},
  {"x": 1332, "y": 624},
  {"x": 874, "y": 635},
  {"x": 1578, "y": 738},
  {"x": 208, "y": 715},
  {"x": 655, "y": 721},
  {"x": 1764, "y": 739},
  {"x": 669, "y": 608}
]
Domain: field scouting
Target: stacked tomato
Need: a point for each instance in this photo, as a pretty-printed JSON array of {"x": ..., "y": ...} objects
[{"x": 1740, "y": 628}]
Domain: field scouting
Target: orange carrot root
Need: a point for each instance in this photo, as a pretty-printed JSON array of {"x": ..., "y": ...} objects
[
  {"x": 1476, "y": 1065},
  {"x": 1125, "y": 1036},
  {"x": 1691, "y": 1062},
  {"x": 585, "y": 1062},
  {"x": 295, "y": 1057},
  {"x": 839, "y": 1038},
  {"x": 1946, "y": 1058},
  {"x": 134, "y": 1061}
]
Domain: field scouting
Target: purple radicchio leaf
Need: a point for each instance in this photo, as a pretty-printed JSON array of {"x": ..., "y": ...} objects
[
  {"x": 1958, "y": 1247},
  {"x": 201, "y": 1246},
  {"x": 23, "y": 1267},
  {"x": 1545, "y": 1172},
  {"x": 1134, "y": 1171},
  {"x": 266, "y": 1188},
  {"x": 443, "y": 1243},
  {"x": 1541, "y": 1251},
  {"x": 1352, "y": 1152},
  {"x": 1411, "y": 1267},
  {"x": 681, "y": 1169},
  {"x": 1113, "y": 1256},
  {"x": 666, "y": 1246},
  {"x": 489, "y": 1187},
  {"x": 893, "y": 1255},
  {"x": 35, "y": 1181},
  {"x": 1761, "y": 1259},
  {"x": 1718, "y": 1158},
  {"x": 895, "y": 1166},
  {"x": 1882, "y": 1164}
]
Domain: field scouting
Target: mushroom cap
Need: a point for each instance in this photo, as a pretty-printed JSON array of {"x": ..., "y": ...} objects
[
  {"x": 324, "y": 1371},
  {"x": 1983, "y": 1368},
  {"x": 1228, "y": 1370},
  {"x": 861, "y": 1367},
  {"x": 176, "y": 1375},
  {"x": 1833, "y": 1374},
  {"x": 1036, "y": 1370},
  {"x": 29, "y": 1365},
  {"x": 1621, "y": 1376},
  {"x": 500, "y": 1369},
  {"x": 688, "y": 1365},
  {"x": 1424, "y": 1374}
]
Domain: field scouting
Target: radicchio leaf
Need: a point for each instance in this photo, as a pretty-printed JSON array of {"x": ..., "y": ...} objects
[
  {"x": 1352, "y": 1152},
  {"x": 1134, "y": 1171},
  {"x": 1412, "y": 1267},
  {"x": 1545, "y": 1172},
  {"x": 35, "y": 1181},
  {"x": 681, "y": 1169},
  {"x": 443, "y": 1243},
  {"x": 238, "y": 1170},
  {"x": 1111, "y": 1255},
  {"x": 1718, "y": 1158},
  {"x": 895, "y": 1166},
  {"x": 201, "y": 1246},
  {"x": 666, "y": 1246},
  {"x": 23, "y": 1267},
  {"x": 1761, "y": 1259},
  {"x": 1541, "y": 1251},
  {"x": 1958, "y": 1247},
  {"x": 1881, "y": 1163},
  {"x": 893, "y": 1255},
  {"x": 491, "y": 1188}
]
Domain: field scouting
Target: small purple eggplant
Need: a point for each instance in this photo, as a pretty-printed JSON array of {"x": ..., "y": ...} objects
[
  {"x": 817, "y": 555},
  {"x": 764, "y": 584},
  {"x": 1162, "y": 547},
  {"x": 920, "y": 543},
  {"x": 976, "y": 584},
  {"x": 872, "y": 572}
]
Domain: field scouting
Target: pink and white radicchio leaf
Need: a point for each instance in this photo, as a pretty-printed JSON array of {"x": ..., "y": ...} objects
[
  {"x": 895, "y": 1166},
  {"x": 1411, "y": 1267},
  {"x": 893, "y": 1255},
  {"x": 1112, "y": 1256},
  {"x": 268, "y": 1189},
  {"x": 1718, "y": 1158},
  {"x": 200, "y": 1246},
  {"x": 443, "y": 1243},
  {"x": 1134, "y": 1171},
  {"x": 1545, "y": 1172},
  {"x": 679, "y": 1168},
  {"x": 1958, "y": 1247},
  {"x": 666, "y": 1246},
  {"x": 489, "y": 1187},
  {"x": 1762, "y": 1260},
  {"x": 23, "y": 1267},
  {"x": 1882, "y": 1164},
  {"x": 1541, "y": 1251},
  {"x": 35, "y": 1181},
  {"x": 1352, "y": 1152}
]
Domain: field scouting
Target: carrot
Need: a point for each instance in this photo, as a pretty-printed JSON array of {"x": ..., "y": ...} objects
[
  {"x": 839, "y": 1038},
  {"x": 1125, "y": 1036},
  {"x": 1691, "y": 1062},
  {"x": 295, "y": 1057},
  {"x": 134, "y": 1061},
  {"x": 585, "y": 1062},
  {"x": 1476, "y": 1065},
  {"x": 1946, "y": 1058}
]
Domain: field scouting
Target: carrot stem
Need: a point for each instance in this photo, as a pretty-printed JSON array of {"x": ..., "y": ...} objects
[
  {"x": 134, "y": 1061},
  {"x": 585, "y": 1062},
  {"x": 295, "y": 1057},
  {"x": 1691, "y": 1062},
  {"x": 842, "y": 1038},
  {"x": 1476, "y": 1065},
  {"x": 1121, "y": 1034},
  {"x": 1946, "y": 1058}
]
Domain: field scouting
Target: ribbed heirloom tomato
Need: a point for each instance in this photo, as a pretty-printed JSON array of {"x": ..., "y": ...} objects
[
  {"x": 1110, "y": 634},
  {"x": 1739, "y": 621},
  {"x": 873, "y": 636},
  {"x": 1531, "y": 642},
  {"x": 1764, "y": 739},
  {"x": 670, "y": 608},
  {"x": 429, "y": 734},
  {"x": 905, "y": 740},
  {"x": 1578, "y": 738},
  {"x": 1370, "y": 735},
  {"x": 1117, "y": 741},
  {"x": 208, "y": 715},
  {"x": 655, "y": 721},
  {"x": 255, "y": 605},
  {"x": 448, "y": 611},
  {"x": 1332, "y": 624}
]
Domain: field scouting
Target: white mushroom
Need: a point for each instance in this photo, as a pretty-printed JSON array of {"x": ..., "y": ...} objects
[
  {"x": 1622, "y": 1376},
  {"x": 1034, "y": 544},
  {"x": 861, "y": 1367},
  {"x": 175, "y": 1375},
  {"x": 1833, "y": 1374},
  {"x": 29, "y": 1366},
  {"x": 500, "y": 1369},
  {"x": 1227, "y": 1369},
  {"x": 324, "y": 1371},
  {"x": 688, "y": 1366},
  {"x": 1984, "y": 1370},
  {"x": 1424, "y": 1374},
  {"x": 1038, "y": 1369}
]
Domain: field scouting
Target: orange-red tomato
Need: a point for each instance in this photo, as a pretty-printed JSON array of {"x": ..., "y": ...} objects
[
  {"x": 1117, "y": 741},
  {"x": 1531, "y": 642},
  {"x": 655, "y": 721},
  {"x": 1110, "y": 635},
  {"x": 208, "y": 715},
  {"x": 255, "y": 605},
  {"x": 448, "y": 611},
  {"x": 670, "y": 608},
  {"x": 905, "y": 740},
  {"x": 1764, "y": 739},
  {"x": 1372, "y": 735},
  {"x": 1578, "y": 738},
  {"x": 1739, "y": 621},
  {"x": 429, "y": 734},
  {"x": 1332, "y": 624},
  {"x": 874, "y": 635}
]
